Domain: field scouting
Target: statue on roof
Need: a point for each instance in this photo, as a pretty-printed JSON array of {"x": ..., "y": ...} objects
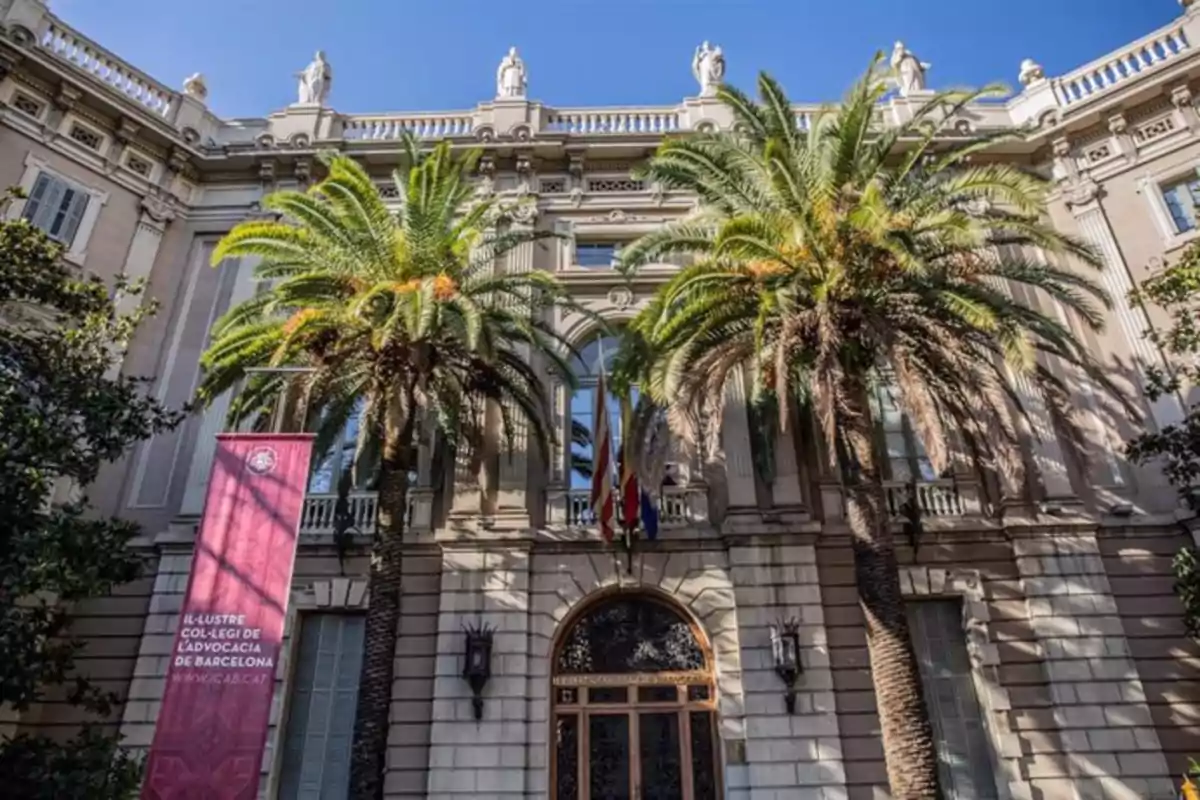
[
  {"x": 315, "y": 81},
  {"x": 708, "y": 65},
  {"x": 909, "y": 71},
  {"x": 511, "y": 79}
]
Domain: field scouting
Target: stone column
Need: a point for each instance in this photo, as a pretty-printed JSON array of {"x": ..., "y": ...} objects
[
  {"x": 735, "y": 440},
  {"x": 1084, "y": 201},
  {"x": 213, "y": 421},
  {"x": 1108, "y": 734},
  {"x": 484, "y": 758}
]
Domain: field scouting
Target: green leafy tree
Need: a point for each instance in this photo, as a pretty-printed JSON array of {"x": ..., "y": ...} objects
[
  {"x": 400, "y": 316},
  {"x": 1176, "y": 448},
  {"x": 63, "y": 414},
  {"x": 831, "y": 258}
]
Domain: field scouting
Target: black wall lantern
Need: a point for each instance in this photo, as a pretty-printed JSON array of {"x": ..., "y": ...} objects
[
  {"x": 785, "y": 650},
  {"x": 477, "y": 664}
]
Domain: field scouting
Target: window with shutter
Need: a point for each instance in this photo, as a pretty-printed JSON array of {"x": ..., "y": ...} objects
[
  {"x": 964, "y": 752},
  {"x": 324, "y": 691},
  {"x": 56, "y": 207}
]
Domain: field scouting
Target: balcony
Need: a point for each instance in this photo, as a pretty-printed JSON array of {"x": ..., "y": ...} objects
[
  {"x": 678, "y": 507},
  {"x": 317, "y": 517},
  {"x": 940, "y": 499}
]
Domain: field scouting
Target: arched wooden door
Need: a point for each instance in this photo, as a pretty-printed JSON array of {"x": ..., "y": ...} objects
[{"x": 633, "y": 705}]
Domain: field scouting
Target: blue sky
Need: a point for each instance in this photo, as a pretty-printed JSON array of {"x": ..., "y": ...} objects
[{"x": 391, "y": 55}]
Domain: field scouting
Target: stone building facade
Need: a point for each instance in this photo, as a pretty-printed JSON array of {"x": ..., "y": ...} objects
[{"x": 1054, "y": 653}]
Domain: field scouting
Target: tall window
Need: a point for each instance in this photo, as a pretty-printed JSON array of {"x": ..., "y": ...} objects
[
  {"x": 340, "y": 456},
  {"x": 56, "y": 207},
  {"x": 905, "y": 453},
  {"x": 324, "y": 692},
  {"x": 1182, "y": 199},
  {"x": 583, "y": 409},
  {"x": 964, "y": 754},
  {"x": 634, "y": 706}
]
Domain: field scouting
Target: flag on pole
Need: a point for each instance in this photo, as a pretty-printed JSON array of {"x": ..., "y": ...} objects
[
  {"x": 630, "y": 496},
  {"x": 602, "y": 487}
]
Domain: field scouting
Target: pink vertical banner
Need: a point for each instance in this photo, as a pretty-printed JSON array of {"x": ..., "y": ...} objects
[{"x": 212, "y": 727}]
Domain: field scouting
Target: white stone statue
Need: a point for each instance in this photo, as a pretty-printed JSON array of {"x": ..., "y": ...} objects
[
  {"x": 909, "y": 70},
  {"x": 510, "y": 76},
  {"x": 315, "y": 81},
  {"x": 1031, "y": 73},
  {"x": 194, "y": 86},
  {"x": 708, "y": 65}
]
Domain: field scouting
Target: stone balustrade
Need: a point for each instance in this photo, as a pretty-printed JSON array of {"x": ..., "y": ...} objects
[
  {"x": 67, "y": 45},
  {"x": 678, "y": 506},
  {"x": 942, "y": 498},
  {"x": 1166, "y": 46},
  {"x": 422, "y": 126},
  {"x": 614, "y": 120},
  {"x": 1150, "y": 52}
]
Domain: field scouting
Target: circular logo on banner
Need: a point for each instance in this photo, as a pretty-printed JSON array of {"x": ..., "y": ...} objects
[{"x": 261, "y": 460}]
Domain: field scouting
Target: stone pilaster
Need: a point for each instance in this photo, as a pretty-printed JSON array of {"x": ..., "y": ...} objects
[
  {"x": 485, "y": 758},
  {"x": 156, "y": 214},
  {"x": 1094, "y": 227},
  {"x": 735, "y": 440},
  {"x": 140, "y": 712},
  {"x": 213, "y": 421},
  {"x": 512, "y": 509},
  {"x": 1110, "y": 746},
  {"x": 799, "y": 756},
  {"x": 787, "y": 493}
]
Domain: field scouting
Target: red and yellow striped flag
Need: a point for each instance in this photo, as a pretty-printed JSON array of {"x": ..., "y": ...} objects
[{"x": 602, "y": 487}]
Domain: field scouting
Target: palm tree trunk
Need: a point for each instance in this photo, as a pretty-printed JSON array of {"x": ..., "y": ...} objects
[
  {"x": 911, "y": 758},
  {"x": 369, "y": 748}
]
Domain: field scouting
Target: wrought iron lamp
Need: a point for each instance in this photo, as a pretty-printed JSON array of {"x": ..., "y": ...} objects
[
  {"x": 477, "y": 663},
  {"x": 785, "y": 650}
]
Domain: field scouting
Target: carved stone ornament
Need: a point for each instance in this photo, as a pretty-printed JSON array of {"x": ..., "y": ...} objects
[
  {"x": 303, "y": 170},
  {"x": 1081, "y": 193},
  {"x": 127, "y": 130},
  {"x": 511, "y": 78},
  {"x": 67, "y": 96},
  {"x": 195, "y": 87},
  {"x": 576, "y": 197},
  {"x": 178, "y": 160},
  {"x": 1031, "y": 73},
  {"x": 524, "y": 212},
  {"x": 1117, "y": 124},
  {"x": 909, "y": 71},
  {"x": 708, "y": 67},
  {"x": 1181, "y": 96},
  {"x": 315, "y": 82},
  {"x": 575, "y": 165},
  {"x": 159, "y": 209},
  {"x": 621, "y": 298}
]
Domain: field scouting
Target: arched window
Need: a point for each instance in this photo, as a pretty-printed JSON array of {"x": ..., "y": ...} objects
[
  {"x": 587, "y": 366},
  {"x": 634, "y": 705}
]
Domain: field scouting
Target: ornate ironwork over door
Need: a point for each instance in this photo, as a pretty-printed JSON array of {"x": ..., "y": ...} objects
[{"x": 634, "y": 706}]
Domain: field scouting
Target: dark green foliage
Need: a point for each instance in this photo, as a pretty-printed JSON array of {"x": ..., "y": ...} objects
[
  {"x": 63, "y": 414},
  {"x": 1176, "y": 447}
]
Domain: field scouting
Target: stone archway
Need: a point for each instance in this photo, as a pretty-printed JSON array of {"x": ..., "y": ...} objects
[{"x": 634, "y": 703}]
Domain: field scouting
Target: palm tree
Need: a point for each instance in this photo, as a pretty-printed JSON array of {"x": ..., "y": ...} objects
[
  {"x": 400, "y": 317},
  {"x": 833, "y": 258}
]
